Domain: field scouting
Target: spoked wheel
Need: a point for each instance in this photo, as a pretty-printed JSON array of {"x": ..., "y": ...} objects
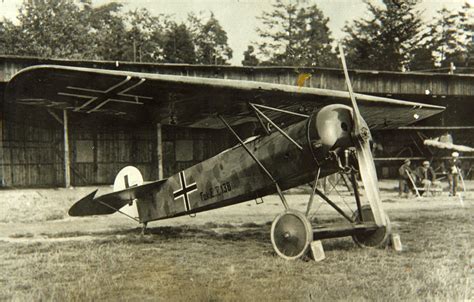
[
  {"x": 377, "y": 238},
  {"x": 291, "y": 234}
]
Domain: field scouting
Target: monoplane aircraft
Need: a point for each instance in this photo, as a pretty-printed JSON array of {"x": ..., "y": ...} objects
[{"x": 307, "y": 133}]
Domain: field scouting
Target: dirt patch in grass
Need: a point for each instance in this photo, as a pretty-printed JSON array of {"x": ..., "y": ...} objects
[{"x": 34, "y": 205}]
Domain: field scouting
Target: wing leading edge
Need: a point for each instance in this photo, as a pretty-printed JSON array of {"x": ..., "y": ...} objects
[{"x": 190, "y": 101}]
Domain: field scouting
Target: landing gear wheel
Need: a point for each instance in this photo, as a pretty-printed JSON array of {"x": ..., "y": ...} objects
[
  {"x": 377, "y": 238},
  {"x": 291, "y": 234}
]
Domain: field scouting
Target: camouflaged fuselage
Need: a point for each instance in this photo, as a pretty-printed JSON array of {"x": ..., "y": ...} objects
[{"x": 233, "y": 176}]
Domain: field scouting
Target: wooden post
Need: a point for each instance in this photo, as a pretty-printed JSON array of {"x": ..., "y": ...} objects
[
  {"x": 317, "y": 250},
  {"x": 396, "y": 242},
  {"x": 159, "y": 150},
  {"x": 67, "y": 164}
]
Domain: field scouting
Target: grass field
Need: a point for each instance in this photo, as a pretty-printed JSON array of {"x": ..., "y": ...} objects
[{"x": 226, "y": 254}]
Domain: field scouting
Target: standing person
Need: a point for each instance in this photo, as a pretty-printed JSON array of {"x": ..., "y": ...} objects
[
  {"x": 403, "y": 181},
  {"x": 454, "y": 169}
]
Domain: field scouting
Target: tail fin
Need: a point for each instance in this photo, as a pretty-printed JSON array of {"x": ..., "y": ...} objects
[
  {"x": 128, "y": 177},
  {"x": 112, "y": 202}
]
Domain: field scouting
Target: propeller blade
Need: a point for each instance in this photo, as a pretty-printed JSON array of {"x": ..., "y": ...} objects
[
  {"x": 369, "y": 178},
  {"x": 364, "y": 154},
  {"x": 355, "y": 108}
]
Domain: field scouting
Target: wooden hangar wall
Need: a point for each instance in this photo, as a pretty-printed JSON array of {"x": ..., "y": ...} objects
[
  {"x": 33, "y": 154},
  {"x": 32, "y": 148}
]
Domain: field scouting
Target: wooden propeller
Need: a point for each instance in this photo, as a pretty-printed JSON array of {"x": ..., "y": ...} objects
[{"x": 362, "y": 137}]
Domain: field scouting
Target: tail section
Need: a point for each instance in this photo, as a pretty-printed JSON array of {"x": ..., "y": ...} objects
[
  {"x": 128, "y": 177},
  {"x": 128, "y": 187}
]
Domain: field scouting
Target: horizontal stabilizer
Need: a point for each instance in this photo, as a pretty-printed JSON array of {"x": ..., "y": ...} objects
[{"x": 112, "y": 202}]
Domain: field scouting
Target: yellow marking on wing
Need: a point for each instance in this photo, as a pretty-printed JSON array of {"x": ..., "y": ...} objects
[{"x": 302, "y": 77}]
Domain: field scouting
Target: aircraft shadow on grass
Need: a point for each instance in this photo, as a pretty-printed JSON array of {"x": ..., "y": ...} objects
[{"x": 246, "y": 232}]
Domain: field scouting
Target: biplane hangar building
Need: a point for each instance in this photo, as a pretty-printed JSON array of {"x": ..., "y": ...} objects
[{"x": 53, "y": 148}]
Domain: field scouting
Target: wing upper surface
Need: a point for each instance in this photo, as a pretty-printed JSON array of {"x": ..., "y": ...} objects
[{"x": 190, "y": 101}]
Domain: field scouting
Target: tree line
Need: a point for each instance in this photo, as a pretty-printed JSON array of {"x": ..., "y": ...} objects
[
  {"x": 294, "y": 33},
  {"x": 77, "y": 30},
  {"x": 394, "y": 38}
]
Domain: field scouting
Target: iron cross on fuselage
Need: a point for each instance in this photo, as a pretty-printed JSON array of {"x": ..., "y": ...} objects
[{"x": 184, "y": 191}]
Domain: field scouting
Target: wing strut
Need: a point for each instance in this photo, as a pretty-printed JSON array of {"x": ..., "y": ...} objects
[
  {"x": 261, "y": 114},
  {"x": 282, "y": 197},
  {"x": 280, "y": 110},
  {"x": 313, "y": 189}
]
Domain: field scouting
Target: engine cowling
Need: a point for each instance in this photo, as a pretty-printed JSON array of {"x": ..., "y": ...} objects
[{"x": 330, "y": 128}]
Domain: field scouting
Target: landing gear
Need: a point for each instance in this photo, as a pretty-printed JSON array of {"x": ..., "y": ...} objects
[
  {"x": 291, "y": 234},
  {"x": 376, "y": 238},
  {"x": 144, "y": 228}
]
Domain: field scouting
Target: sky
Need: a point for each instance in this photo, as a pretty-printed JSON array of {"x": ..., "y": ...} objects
[{"x": 239, "y": 17}]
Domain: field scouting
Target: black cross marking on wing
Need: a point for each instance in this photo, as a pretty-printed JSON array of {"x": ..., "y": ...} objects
[{"x": 97, "y": 99}]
